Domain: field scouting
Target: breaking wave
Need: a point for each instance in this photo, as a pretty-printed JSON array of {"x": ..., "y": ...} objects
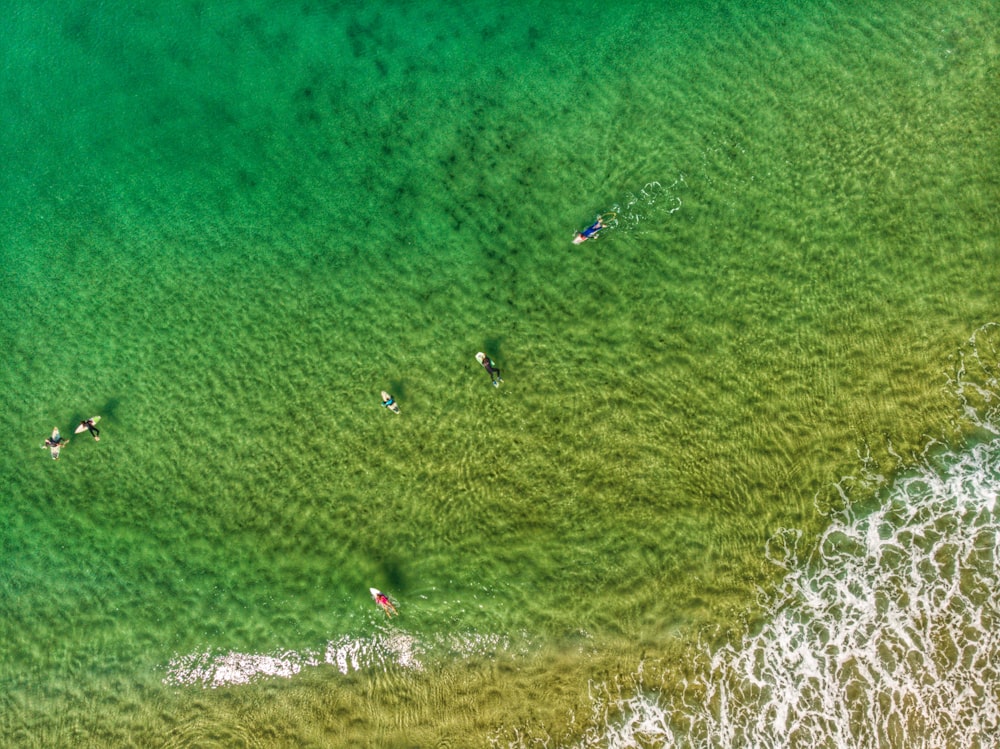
[{"x": 887, "y": 635}]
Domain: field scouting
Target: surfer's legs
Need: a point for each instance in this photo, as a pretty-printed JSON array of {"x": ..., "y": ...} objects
[{"x": 94, "y": 431}]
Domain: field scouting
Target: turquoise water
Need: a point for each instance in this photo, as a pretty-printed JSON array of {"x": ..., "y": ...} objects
[{"x": 227, "y": 229}]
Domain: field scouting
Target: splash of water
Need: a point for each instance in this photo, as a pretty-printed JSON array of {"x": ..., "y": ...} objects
[{"x": 640, "y": 206}]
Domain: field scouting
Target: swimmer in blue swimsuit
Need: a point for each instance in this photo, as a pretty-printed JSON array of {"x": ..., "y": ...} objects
[{"x": 590, "y": 232}]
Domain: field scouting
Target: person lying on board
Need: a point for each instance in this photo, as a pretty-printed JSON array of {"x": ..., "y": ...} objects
[
  {"x": 383, "y": 600},
  {"x": 590, "y": 232}
]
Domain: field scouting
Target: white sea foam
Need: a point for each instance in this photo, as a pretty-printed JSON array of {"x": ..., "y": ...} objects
[
  {"x": 653, "y": 198},
  {"x": 378, "y": 651},
  {"x": 887, "y": 636},
  {"x": 230, "y": 668},
  {"x": 977, "y": 378}
]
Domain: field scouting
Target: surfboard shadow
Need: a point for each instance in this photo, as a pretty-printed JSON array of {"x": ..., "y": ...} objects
[
  {"x": 392, "y": 573},
  {"x": 494, "y": 347},
  {"x": 108, "y": 411}
]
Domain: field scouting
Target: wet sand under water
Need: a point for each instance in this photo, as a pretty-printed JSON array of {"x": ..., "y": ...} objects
[{"x": 227, "y": 230}]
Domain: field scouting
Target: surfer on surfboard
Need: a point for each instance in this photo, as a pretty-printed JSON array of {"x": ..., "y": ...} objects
[
  {"x": 90, "y": 425},
  {"x": 55, "y": 443},
  {"x": 491, "y": 368},
  {"x": 591, "y": 231},
  {"x": 389, "y": 402},
  {"x": 383, "y": 600}
]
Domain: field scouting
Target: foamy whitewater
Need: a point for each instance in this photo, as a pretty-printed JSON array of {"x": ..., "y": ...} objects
[
  {"x": 377, "y": 651},
  {"x": 887, "y": 636}
]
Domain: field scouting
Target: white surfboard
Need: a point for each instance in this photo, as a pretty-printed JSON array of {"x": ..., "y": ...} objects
[
  {"x": 83, "y": 427},
  {"x": 394, "y": 407}
]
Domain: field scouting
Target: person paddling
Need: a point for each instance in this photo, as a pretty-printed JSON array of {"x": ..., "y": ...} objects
[
  {"x": 590, "y": 232},
  {"x": 491, "y": 368},
  {"x": 383, "y": 600}
]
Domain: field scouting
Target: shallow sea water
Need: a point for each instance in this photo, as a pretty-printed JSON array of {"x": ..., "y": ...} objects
[{"x": 227, "y": 229}]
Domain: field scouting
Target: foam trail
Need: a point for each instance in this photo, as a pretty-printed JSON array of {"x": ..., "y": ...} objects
[
  {"x": 653, "y": 198},
  {"x": 380, "y": 651}
]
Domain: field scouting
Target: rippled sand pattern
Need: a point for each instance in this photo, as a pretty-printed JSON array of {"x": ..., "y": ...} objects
[{"x": 228, "y": 229}]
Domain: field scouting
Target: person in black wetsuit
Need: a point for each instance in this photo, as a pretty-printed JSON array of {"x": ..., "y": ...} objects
[
  {"x": 492, "y": 370},
  {"x": 55, "y": 444},
  {"x": 92, "y": 428}
]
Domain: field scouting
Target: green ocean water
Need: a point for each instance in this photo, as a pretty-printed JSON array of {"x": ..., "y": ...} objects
[{"x": 227, "y": 227}]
